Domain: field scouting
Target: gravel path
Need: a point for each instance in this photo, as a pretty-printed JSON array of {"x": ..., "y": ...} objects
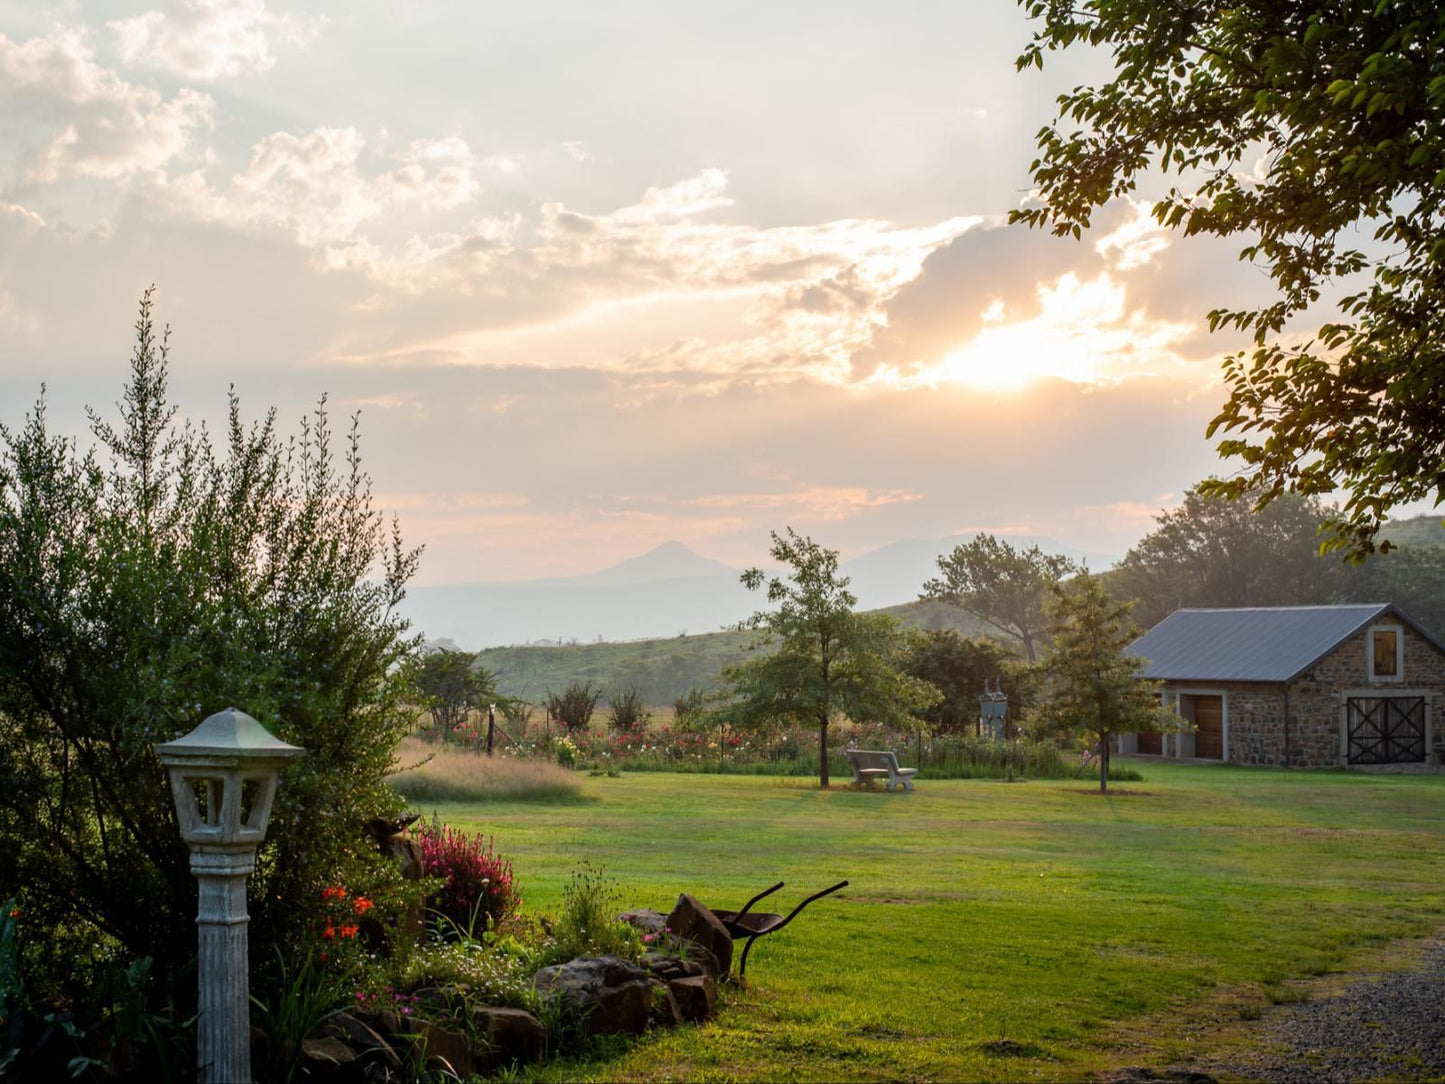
[{"x": 1390, "y": 1025}]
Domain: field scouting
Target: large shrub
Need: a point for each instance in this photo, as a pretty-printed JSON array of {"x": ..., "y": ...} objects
[
  {"x": 149, "y": 581},
  {"x": 574, "y": 707}
]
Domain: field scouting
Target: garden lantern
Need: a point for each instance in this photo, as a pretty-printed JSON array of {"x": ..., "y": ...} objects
[{"x": 223, "y": 781}]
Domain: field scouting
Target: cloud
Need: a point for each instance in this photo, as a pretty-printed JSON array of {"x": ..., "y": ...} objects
[
  {"x": 206, "y": 40},
  {"x": 1136, "y": 241},
  {"x": 90, "y": 121},
  {"x": 819, "y": 502},
  {"x": 316, "y": 188}
]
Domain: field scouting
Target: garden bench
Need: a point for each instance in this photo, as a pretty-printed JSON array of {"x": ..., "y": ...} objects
[{"x": 871, "y": 764}]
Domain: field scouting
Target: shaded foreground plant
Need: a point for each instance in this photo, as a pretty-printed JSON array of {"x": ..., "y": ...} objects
[
  {"x": 302, "y": 999},
  {"x": 146, "y": 582}
]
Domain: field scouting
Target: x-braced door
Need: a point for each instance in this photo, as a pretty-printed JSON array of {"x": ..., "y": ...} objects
[{"x": 1386, "y": 729}]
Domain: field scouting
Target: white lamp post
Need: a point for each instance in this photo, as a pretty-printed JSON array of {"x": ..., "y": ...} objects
[{"x": 223, "y": 781}]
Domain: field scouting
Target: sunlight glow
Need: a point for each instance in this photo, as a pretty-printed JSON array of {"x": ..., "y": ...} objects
[{"x": 1082, "y": 333}]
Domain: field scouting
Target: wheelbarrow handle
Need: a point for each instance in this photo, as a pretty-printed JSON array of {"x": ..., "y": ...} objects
[
  {"x": 815, "y": 896},
  {"x": 749, "y": 905}
]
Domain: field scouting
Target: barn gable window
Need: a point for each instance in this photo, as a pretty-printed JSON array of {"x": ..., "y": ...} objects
[{"x": 1385, "y": 653}]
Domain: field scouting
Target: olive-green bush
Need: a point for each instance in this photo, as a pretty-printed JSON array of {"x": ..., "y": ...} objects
[{"x": 160, "y": 575}]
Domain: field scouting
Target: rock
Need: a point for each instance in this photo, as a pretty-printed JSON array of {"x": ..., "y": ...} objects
[
  {"x": 388, "y": 1024},
  {"x": 691, "y": 921},
  {"x": 514, "y": 1034},
  {"x": 326, "y": 1051},
  {"x": 667, "y": 967},
  {"x": 367, "y": 1043},
  {"x": 696, "y": 995},
  {"x": 260, "y": 1045},
  {"x": 665, "y": 1012},
  {"x": 445, "y": 1046},
  {"x": 645, "y": 919},
  {"x": 613, "y": 995}
]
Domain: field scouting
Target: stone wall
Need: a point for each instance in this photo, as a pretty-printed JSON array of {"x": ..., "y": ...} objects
[{"x": 1256, "y": 710}]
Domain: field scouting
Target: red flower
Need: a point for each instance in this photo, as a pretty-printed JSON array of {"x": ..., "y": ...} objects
[
  {"x": 349, "y": 931},
  {"x": 328, "y": 933},
  {"x": 362, "y": 905}
]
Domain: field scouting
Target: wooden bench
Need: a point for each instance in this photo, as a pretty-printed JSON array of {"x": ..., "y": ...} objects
[{"x": 869, "y": 764}]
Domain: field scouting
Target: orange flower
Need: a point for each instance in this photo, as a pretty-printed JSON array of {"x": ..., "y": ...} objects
[
  {"x": 349, "y": 931},
  {"x": 335, "y": 892},
  {"x": 328, "y": 933},
  {"x": 362, "y": 905}
]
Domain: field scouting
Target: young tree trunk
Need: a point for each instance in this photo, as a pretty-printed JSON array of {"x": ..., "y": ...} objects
[
  {"x": 1104, "y": 764},
  {"x": 823, "y": 753}
]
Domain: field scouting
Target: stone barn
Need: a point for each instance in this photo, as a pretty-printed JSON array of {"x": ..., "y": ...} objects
[{"x": 1297, "y": 686}]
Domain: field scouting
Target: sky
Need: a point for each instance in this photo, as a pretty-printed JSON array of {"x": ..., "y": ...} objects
[{"x": 601, "y": 276}]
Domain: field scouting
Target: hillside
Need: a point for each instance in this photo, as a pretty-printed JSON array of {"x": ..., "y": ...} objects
[
  {"x": 662, "y": 669},
  {"x": 1424, "y": 530},
  {"x": 668, "y": 590}
]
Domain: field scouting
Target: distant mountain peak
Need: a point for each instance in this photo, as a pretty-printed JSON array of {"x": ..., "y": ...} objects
[{"x": 669, "y": 561}]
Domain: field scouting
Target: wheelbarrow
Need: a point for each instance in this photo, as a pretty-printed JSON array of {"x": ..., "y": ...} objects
[{"x": 750, "y": 925}]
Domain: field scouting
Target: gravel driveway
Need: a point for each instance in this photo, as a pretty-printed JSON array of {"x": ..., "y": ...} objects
[{"x": 1390, "y": 1025}]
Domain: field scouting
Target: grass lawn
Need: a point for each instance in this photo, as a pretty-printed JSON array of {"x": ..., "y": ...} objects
[{"x": 996, "y": 931}]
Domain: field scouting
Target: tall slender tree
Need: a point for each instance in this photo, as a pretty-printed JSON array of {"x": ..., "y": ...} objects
[
  {"x": 1094, "y": 689},
  {"x": 817, "y": 660}
]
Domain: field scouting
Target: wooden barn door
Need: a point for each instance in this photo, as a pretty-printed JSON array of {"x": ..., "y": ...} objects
[
  {"x": 1209, "y": 727},
  {"x": 1386, "y": 729}
]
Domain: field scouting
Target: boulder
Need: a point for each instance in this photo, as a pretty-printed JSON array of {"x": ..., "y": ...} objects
[
  {"x": 327, "y": 1052},
  {"x": 365, "y": 1040},
  {"x": 667, "y": 967},
  {"x": 666, "y": 1012},
  {"x": 645, "y": 920},
  {"x": 514, "y": 1035},
  {"x": 696, "y": 995},
  {"x": 612, "y": 995},
  {"x": 691, "y": 921},
  {"x": 446, "y": 1046}
]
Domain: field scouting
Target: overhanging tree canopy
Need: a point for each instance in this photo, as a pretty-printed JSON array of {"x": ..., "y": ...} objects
[{"x": 1304, "y": 128}]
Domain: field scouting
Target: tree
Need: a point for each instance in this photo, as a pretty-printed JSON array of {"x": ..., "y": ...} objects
[
  {"x": 1212, "y": 551},
  {"x": 821, "y": 660},
  {"x": 1000, "y": 585},
  {"x": 147, "y": 583},
  {"x": 1094, "y": 689},
  {"x": 959, "y": 667},
  {"x": 452, "y": 687},
  {"x": 1301, "y": 127}
]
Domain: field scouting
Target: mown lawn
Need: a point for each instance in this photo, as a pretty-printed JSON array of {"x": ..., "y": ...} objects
[{"x": 992, "y": 930}]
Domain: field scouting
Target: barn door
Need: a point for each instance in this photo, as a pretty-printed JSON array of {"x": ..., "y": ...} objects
[
  {"x": 1209, "y": 727},
  {"x": 1385, "y": 729}
]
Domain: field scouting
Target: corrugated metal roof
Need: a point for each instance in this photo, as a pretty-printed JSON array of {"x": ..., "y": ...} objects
[{"x": 1256, "y": 644}]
